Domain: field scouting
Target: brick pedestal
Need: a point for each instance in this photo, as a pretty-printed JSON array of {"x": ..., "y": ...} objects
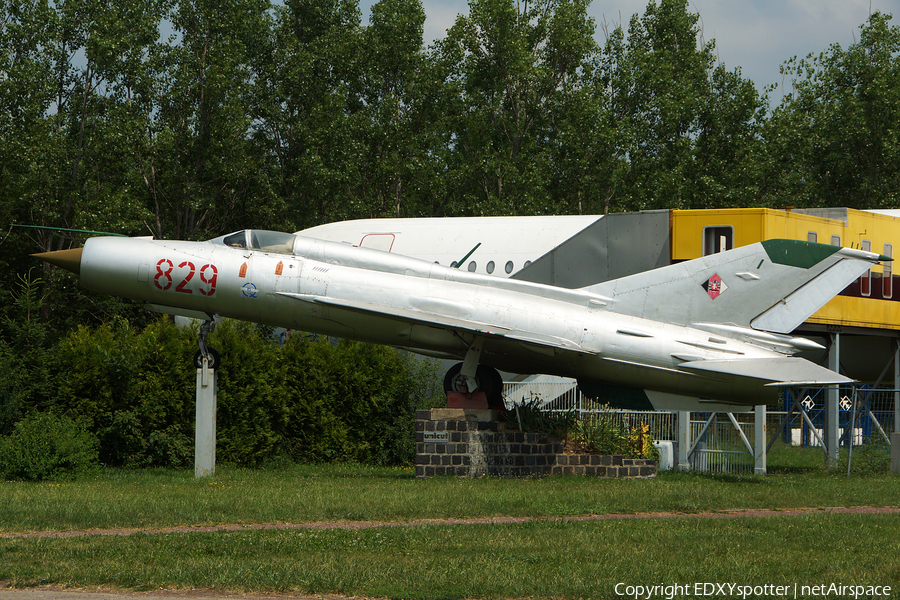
[{"x": 472, "y": 443}]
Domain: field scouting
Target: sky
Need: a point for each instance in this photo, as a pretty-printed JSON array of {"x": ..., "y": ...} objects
[{"x": 756, "y": 35}]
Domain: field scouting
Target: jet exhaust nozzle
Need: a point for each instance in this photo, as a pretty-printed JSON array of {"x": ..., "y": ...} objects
[{"x": 70, "y": 260}]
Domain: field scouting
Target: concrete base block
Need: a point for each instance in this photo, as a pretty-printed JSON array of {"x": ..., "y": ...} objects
[
  {"x": 462, "y": 414},
  {"x": 471, "y": 443}
]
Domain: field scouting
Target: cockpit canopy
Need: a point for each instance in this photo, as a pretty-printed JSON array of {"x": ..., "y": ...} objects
[{"x": 276, "y": 242}]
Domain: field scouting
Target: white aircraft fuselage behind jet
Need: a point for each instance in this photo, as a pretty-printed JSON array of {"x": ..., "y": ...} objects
[{"x": 505, "y": 244}]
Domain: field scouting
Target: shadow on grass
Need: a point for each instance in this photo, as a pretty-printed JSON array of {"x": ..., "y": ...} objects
[{"x": 723, "y": 477}]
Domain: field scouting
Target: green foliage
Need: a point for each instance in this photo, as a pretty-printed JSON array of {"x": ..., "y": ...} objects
[
  {"x": 833, "y": 140},
  {"x": 131, "y": 386},
  {"x": 252, "y": 408},
  {"x": 531, "y": 417},
  {"x": 606, "y": 432},
  {"x": 601, "y": 434},
  {"x": 47, "y": 446},
  {"x": 311, "y": 400},
  {"x": 27, "y": 364},
  {"x": 339, "y": 411}
]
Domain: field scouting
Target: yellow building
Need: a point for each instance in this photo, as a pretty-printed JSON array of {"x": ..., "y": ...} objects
[{"x": 871, "y": 302}]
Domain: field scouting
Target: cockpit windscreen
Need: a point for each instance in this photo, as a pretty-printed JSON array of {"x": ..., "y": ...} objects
[{"x": 276, "y": 242}]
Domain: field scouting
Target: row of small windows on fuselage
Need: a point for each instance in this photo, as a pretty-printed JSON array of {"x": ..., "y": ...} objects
[{"x": 490, "y": 267}]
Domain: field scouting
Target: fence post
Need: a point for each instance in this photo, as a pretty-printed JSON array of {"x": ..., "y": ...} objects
[
  {"x": 832, "y": 424},
  {"x": 896, "y": 388},
  {"x": 895, "y": 453},
  {"x": 759, "y": 443},
  {"x": 684, "y": 440}
]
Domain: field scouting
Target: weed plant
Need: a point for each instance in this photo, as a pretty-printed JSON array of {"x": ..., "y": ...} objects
[
  {"x": 599, "y": 432},
  {"x": 530, "y": 416},
  {"x": 868, "y": 459}
]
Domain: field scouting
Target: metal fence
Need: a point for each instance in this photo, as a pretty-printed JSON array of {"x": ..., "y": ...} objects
[
  {"x": 565, "y": 397},
  {"x": 721, "y": 441},
  {"x": 872, "y": 417},
  {"x": 556, "y": 395}
]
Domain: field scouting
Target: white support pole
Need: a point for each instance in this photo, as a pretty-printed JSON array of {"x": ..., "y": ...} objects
[
  {"x": 759, "y": 446},
  {"x": 895, "y": 453},
  {"x": 832, "y": 433},
  {"x": 896, "y": 388},
  {"x": 684, "y": 440},
  {"x": 205, "y": 425}
]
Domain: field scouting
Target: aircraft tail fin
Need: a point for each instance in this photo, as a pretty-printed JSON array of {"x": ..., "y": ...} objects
[{"x": 773, "y": 285}]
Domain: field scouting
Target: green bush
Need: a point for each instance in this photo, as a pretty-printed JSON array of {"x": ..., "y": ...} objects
[
  {"x": 604, "y": 433},
  {"x": 250, "y": 404},
  {"x": 353, "y": 401},
  {"x": 310, "y": 400},
  {"x": 129, "y": 387},
  {"x": 599, "y": 432},
  {"x": 47, "y": 446}
]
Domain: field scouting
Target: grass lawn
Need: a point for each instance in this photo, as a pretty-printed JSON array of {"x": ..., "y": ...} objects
[{"x": 540, "y": 559}]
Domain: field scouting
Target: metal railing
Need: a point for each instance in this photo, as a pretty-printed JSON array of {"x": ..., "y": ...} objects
[
  {"x": 721, "y": 443},
  {"x": 873, "y": 417},
  {"x": 565, "y": 397}
]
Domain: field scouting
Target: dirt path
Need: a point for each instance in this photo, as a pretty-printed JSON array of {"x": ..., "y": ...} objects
[
  {"x": 63, "y": 593},
  {"x": 724, "y": 514}
]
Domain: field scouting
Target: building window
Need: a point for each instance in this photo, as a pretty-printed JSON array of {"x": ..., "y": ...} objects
[
  {"x": 812, "y": 236},
  {"x": 717, "y": 239},
  {"x": 865, "y": 282},
  {"x": 887, "y": 281},
  {"x": 835, "y": 240}
]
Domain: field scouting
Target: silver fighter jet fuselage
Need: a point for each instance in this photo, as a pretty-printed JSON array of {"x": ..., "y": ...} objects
[{"x": 691, "y": 336}]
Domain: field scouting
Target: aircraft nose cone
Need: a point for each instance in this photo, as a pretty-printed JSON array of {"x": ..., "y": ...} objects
[{"x": 70, "y": 260}]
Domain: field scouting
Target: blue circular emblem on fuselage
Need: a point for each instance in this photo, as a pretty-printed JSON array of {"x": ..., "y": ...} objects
[{"x": 249, "y": 290}]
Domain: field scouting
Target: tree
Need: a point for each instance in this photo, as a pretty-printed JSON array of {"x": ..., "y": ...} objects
[
  {"x": 306, "y": 107},
  {"x": 728, "y": 149},
  {"x": 660, "y": 81},
  {"x": 834, "y": 140},
  {"x": 201, "y": 173},
  {"x": 684, "y": 129},
  {"x": 511, "y": 65},
  {"x": 395, "y": 110}
]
